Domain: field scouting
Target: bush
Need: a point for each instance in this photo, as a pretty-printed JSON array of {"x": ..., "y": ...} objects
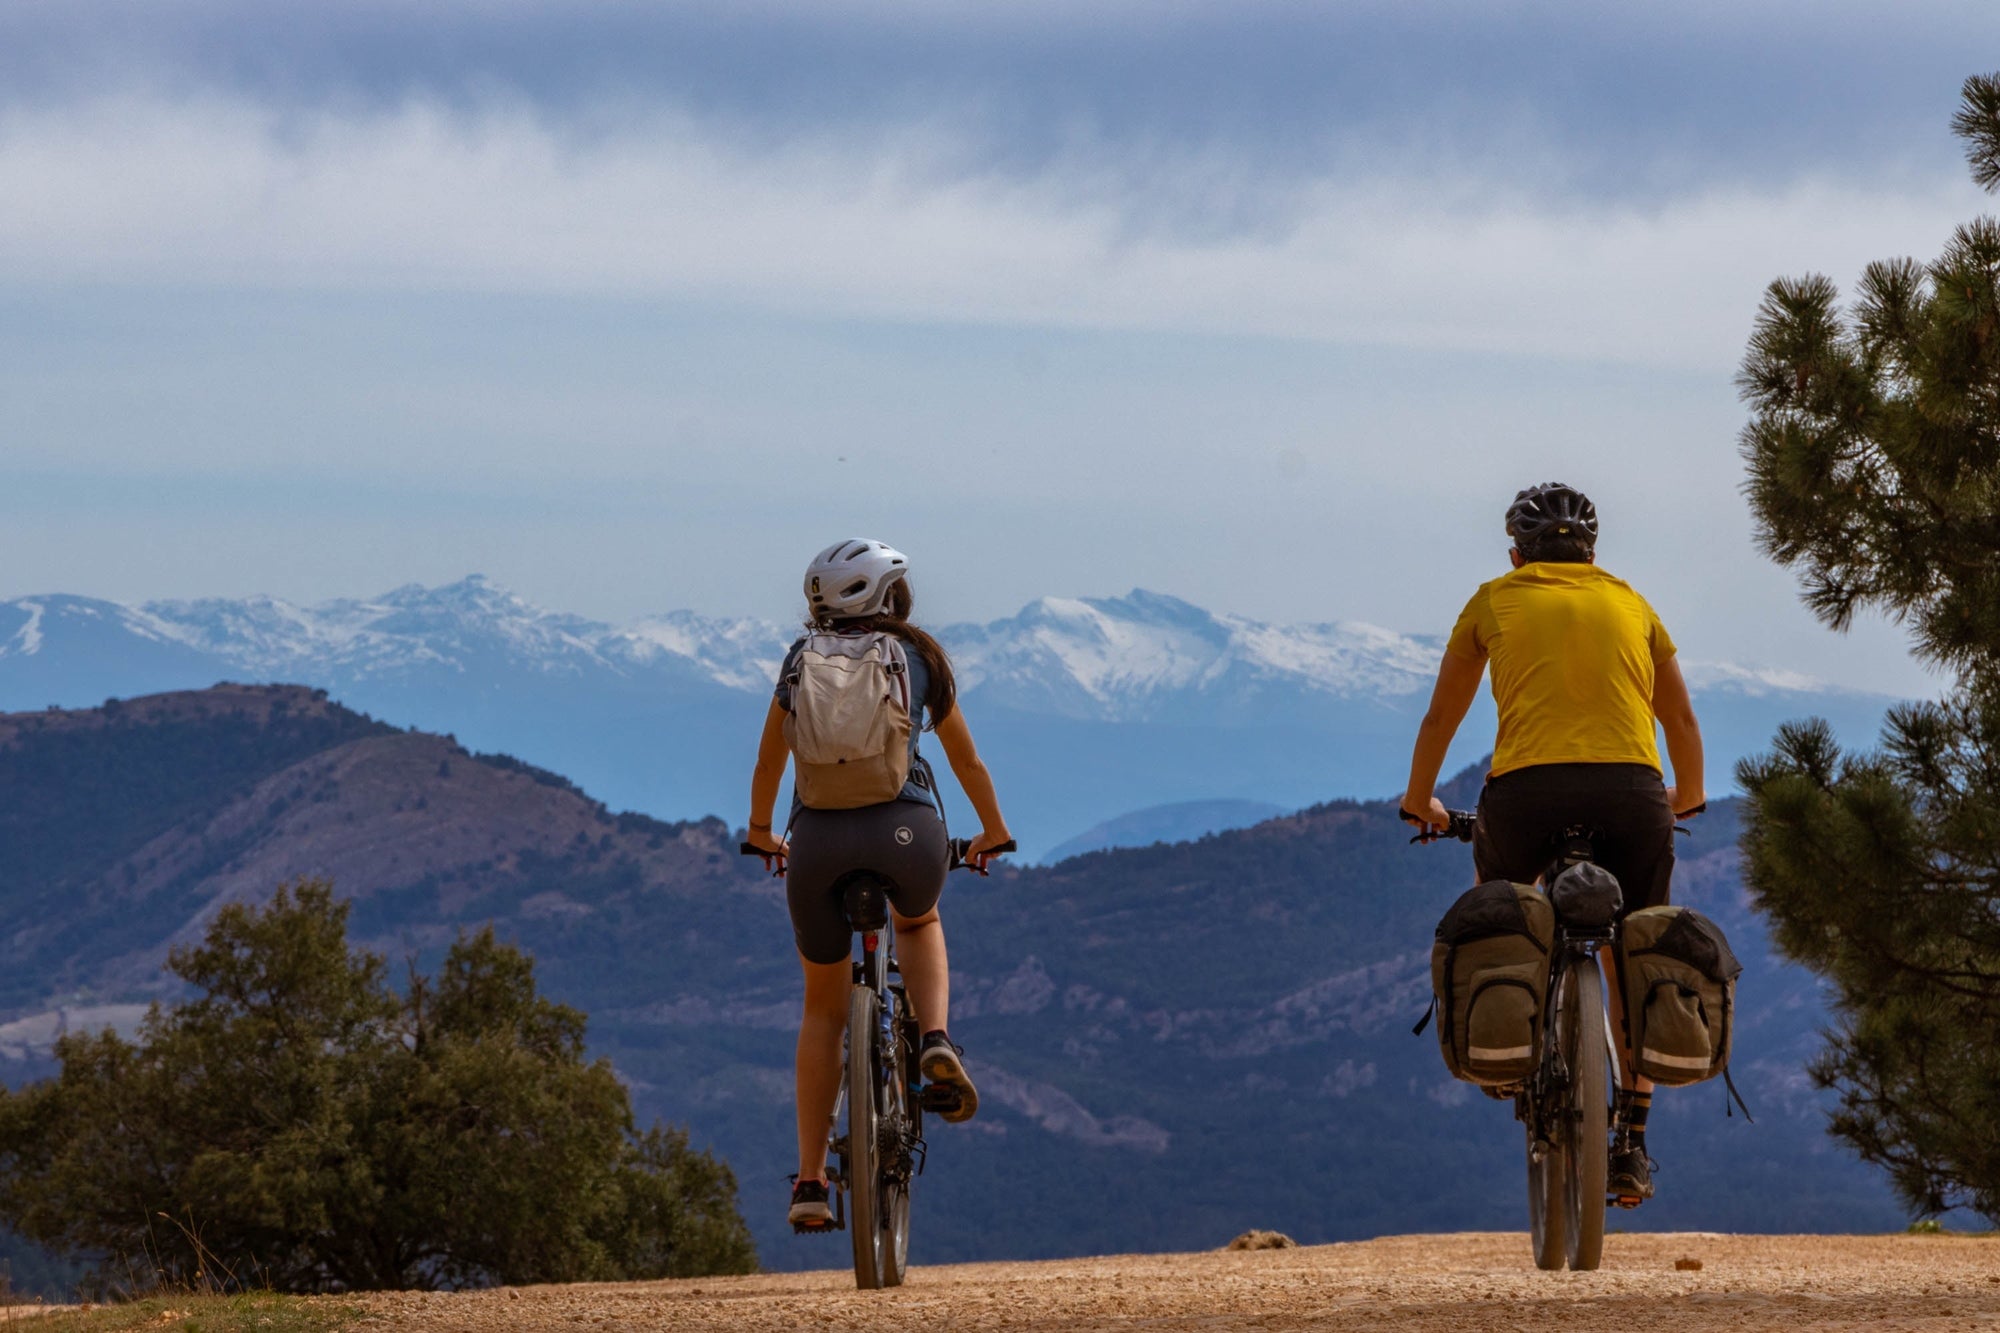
[{"x": 300, "y": 1125}]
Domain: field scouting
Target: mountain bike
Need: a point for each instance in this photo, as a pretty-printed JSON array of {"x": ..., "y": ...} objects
[
  {"x": 881, "y": 1152},
  {"x": 1565, "y": 1103}
]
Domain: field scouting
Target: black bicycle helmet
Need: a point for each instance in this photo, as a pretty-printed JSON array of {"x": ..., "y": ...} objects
[{"x": 1551, "y": 510}]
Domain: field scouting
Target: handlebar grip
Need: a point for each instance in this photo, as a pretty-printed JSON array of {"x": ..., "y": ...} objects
[
  {"x": 1460, "y": 827},
  {"x": 958, "y": 848},
  {"x": 745, "y": 849}
]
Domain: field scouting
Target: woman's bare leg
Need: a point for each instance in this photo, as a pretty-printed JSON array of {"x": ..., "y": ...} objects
[
  {"x": 926, "y": 971},
  {"x": 820, "y": 1030}
]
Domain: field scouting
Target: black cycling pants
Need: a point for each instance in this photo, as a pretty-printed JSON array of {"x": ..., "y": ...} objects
[
  {"x": 901, "y": 841},
  {"x": 1523, "y": 814}
]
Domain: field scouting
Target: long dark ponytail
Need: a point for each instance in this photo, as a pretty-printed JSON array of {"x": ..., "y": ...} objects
[{"x": 942, "y": 695}]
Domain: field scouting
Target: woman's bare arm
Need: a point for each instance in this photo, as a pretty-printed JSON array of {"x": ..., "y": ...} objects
[
  {"x": 772, "y": 755},
  {"x": 970, "y": 770}
]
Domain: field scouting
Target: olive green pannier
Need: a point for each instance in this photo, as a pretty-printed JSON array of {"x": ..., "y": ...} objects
[
  {"x": 1680, "y": 994},
  {"x": 1490, "y": 976}
]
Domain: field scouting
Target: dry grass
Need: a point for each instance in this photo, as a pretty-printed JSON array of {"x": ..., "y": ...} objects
[{"x": 254, "y": 1312}]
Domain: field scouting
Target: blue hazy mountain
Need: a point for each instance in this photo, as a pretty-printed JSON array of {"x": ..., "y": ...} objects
[
  {"x": 1181, "y": 821},
  {"x": 1085, "y": 709}
]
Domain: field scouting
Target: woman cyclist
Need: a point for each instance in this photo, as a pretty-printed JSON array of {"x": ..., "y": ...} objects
[{"x": 861, "y": 587}]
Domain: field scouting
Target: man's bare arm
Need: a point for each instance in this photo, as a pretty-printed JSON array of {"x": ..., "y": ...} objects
[
  {"x": 1675, "y": 710},
  {"x": 1457, "y": 685}
]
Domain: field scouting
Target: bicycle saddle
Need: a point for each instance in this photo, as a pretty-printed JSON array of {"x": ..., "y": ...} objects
[{"x": 865, "y": 900}]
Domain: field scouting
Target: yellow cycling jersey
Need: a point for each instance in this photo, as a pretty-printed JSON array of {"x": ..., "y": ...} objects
[{"x": 1573, "y": 652}]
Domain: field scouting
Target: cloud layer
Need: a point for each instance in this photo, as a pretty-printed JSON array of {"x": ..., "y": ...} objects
[
  {"x": 504, "y": 198},
  {"x": 1261, "y": 302}
]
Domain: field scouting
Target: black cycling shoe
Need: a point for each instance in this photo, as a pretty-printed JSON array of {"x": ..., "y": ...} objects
[
  {"x": 810, "y": 1210},
  {"x": 938, "y": 1062},
  {"x": 1629, "y": 1178}
]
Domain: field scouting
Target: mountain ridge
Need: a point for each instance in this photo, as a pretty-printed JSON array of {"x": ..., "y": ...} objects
[
  {"x": 1085, "y": 708},
  {"x": 1096, "y": 641}
]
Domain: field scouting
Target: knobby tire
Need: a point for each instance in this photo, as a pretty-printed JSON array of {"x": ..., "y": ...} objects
[
  {"x": 895, "y": 1194},
  {"x": 1548, "y": 1208},
  {"x": 1583, "y": 1043},
  {"x": 864, "y": 1191}
]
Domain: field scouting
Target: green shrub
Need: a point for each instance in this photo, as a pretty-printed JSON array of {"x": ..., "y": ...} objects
[{"x": 301, "y": 1126}]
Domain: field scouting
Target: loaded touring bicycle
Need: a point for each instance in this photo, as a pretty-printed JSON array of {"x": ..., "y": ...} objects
[{"x": 1519, "y": 999}]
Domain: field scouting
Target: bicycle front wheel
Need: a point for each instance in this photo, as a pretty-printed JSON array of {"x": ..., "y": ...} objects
[
  {"x": 1581, "y": 1023},
  {"x": 864, "y": 1140}
]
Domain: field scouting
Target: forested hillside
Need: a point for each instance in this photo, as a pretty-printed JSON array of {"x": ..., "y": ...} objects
[{"x": 1173, "y": 1042}]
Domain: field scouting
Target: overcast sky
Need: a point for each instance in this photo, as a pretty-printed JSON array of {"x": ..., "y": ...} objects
[{"x": 633, "y": 306}]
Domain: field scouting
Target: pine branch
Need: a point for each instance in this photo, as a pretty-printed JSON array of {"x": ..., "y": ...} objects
[{"x": 1978, "y": 123}]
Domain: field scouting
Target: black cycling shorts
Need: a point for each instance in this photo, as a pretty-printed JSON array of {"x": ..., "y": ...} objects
[
  {"x": 1523, "y": 814},
  {"x": 901, "y": 841}
]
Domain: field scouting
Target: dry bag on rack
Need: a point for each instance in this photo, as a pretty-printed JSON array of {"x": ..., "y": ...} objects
[
  {"x": 1680, "y": 993},
  {"x": 1490, "y": 973}
]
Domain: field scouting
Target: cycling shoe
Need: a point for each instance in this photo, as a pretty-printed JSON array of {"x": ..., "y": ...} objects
[
  {"x": 939, "y": 1064},
  {"x": 1629, "y": 1180},
  {"x": 810, "y": 1209}
]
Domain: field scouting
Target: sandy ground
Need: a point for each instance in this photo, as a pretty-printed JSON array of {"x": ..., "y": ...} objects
[{"x": 1449, "y": 1284}]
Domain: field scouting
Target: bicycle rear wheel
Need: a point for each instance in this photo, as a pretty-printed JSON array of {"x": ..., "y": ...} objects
[
  {"x": 864, "y": 1193},
  {"x": 897, "y": 1126},
  {"x": 1548, "y": 1200},
  {"x": 1580, "y": 1019}
]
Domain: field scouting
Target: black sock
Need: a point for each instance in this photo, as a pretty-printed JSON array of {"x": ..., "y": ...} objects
[
  {"x": 934, "y": 1032},
  {"x": 1632, "y": 1110}
]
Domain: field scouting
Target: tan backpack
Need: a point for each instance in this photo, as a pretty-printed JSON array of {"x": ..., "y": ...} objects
[{"x": 849, "y": 726}]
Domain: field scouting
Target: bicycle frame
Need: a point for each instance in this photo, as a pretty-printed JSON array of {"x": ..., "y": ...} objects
[
  {"x": 1549, "y": 1084},
  {"x": 882, "y": 1150}
]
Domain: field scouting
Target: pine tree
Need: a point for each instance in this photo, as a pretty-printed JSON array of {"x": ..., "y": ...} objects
[{"x": 1874, "y": 471}]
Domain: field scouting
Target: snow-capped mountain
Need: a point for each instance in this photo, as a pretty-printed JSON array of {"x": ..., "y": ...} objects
[
  {"x": 1088, "y": 707},
  {"x": 1115, "y": 659}
]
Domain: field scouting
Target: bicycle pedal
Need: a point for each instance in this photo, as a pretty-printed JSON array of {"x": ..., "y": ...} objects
[
  {"x": 1624, "y": 1200},
  {"x": 816, "y": 1228},
  {"x": 940, "y": 1097}
]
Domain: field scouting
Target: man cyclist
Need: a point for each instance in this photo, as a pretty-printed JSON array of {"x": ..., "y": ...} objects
[{"x": 1581, "y": 668}]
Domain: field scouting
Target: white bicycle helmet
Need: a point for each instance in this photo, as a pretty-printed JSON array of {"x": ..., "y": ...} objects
[{"x": 853, "y": 578}]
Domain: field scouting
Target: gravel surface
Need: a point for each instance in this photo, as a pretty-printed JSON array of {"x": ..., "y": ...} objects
[{"x": 1476, "y": 1283}]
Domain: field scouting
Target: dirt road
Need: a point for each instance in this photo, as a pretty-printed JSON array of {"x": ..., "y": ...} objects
[{"x": 1438, "y": 1284}]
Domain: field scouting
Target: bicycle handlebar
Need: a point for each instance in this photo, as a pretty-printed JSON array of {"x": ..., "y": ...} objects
[
  {"x": 1462, "y": 822},
  {"x": 960, "y": 847},
  {"x": 957, "y": 851},
  {"x": 1460, "y": 826}
]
